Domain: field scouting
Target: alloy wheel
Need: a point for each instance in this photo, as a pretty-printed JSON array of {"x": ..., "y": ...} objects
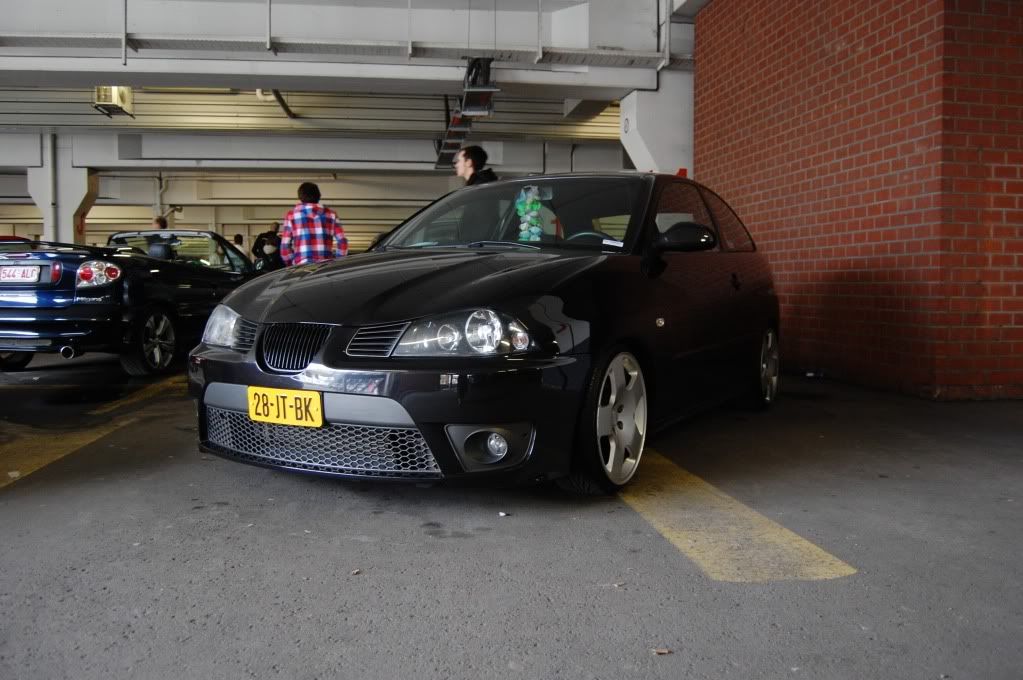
[
  {"x": 621, "y": 418},
  {"x": 158, "y": 341},
  {"x": 770, "y": 364}
]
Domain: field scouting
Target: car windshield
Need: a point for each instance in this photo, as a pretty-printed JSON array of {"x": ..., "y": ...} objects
[
  {"x": 185, "y": 248},
  {"x": 591, "y": 213}
]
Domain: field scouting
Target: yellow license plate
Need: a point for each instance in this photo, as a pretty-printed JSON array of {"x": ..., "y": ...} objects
[{"x": 286, "y": 407}]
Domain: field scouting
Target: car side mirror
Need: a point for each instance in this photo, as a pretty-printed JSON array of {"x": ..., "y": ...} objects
[{"x": 685, "y": 237}]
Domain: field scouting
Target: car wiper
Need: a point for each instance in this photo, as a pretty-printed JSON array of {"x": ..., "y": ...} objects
[{"x": 499, "y": 244}]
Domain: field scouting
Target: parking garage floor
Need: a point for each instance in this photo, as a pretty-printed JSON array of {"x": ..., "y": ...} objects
[{"x": 845, "y": 534}]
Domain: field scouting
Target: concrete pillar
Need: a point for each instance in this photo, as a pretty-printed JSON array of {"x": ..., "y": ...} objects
[
  {"x": 63, "y": 192},
  {"x": 657, "y": 127}
]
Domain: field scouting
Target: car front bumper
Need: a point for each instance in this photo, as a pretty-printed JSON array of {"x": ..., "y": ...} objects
[
  {"x": 84, "y": 327},
  {"x": 415, "y": 421}
]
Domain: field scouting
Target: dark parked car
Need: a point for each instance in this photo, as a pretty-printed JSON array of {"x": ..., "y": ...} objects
[
  {"x": 146, "y": 296},
  {"x": 527, "y": 329}
]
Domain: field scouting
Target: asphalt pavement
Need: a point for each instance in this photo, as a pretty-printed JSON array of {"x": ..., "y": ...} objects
[{"x": 134, "y": 555}]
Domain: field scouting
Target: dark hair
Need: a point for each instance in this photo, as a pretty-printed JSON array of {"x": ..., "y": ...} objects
[
  {"x": 238, "y": 239},
  {"x": 308, "y": 192},
  {"x": 161, "y": 221},
  {"x": 275, "y": 226},
  {"x": 477, "y": 155}
]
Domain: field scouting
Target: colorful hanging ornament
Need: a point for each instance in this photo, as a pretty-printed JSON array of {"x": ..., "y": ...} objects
[{"x": 527, "y": 207}]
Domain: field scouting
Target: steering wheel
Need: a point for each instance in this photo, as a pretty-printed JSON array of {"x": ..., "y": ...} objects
[{"x": 591, "y": 234}]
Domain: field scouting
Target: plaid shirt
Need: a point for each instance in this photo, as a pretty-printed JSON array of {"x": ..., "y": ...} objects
[{"x": 312, "y": 233}]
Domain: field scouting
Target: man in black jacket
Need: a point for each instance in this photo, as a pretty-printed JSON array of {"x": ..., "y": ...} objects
[
  {"x": 257, "y": 245},
  {"x": 469, "y": 162}
]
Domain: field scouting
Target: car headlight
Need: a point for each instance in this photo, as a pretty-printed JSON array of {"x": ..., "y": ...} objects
[
  {"x": 480, "y": 332},
  {"x": 220, "y": 328}
]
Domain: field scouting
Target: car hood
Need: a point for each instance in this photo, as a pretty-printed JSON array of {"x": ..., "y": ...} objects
[{"x": 400, "y": 285}]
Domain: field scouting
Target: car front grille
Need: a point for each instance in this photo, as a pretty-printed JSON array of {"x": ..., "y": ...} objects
[
  {"x": 245, "y": 335},
  {"x": 291, "y": 346},
  {"x": 337, "y": 448},
  {"x": 376, "y": 341}
]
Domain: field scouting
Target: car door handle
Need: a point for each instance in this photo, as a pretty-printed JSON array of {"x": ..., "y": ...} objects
[{"x": 736, "y": 283}]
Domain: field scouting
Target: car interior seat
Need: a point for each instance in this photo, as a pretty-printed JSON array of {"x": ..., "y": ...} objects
[{"x": 161, "y": 251}]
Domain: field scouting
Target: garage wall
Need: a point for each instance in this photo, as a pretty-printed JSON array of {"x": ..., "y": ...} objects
[
  {"x": 874, "y": 151},
  {"x": 983, "y": 199}
]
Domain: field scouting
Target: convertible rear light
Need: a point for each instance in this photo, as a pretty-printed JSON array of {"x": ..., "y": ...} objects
[
  {"x": 96, "y": 273},
  {"x": 55, "y": 270}
]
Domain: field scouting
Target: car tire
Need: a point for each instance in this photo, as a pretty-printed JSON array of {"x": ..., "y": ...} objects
[
  {"x": 15, "y": 361},
  {"x": 153, "y": 344},
  {"x": 763, "y": 389},
  {"x": 612, "y": 427}
]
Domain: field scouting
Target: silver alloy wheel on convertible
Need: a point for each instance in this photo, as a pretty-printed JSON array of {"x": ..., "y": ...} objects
[
  {"x": 158, "y": 341},
  {"x": 770, "y": 364},
  {"x": 621, "y": 418}
]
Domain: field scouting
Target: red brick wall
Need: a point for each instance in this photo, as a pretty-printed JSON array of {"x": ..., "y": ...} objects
[
  {"x": 983, "y": 199},
  {"x": 874, "y": 151}
]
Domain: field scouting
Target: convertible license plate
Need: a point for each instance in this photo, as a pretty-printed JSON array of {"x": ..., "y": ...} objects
[
  {"x": 286, "y": 407},
  {"x": 23, "y": 274}
]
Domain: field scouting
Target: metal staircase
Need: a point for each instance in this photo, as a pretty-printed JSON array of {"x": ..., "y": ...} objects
[{"x": 478, "y": 90}]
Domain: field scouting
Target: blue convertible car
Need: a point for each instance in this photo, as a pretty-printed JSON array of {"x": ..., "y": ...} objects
[{"x": 146, "y": 296}]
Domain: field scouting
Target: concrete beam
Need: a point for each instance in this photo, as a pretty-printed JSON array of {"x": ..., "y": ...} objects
[
  {"x": 552, "y": 81},
  {"x": 688, "y": 9},
  {"x": 14, "y": 188},
  {"x": 657, "y": 127},
  {"x": 581, "y": 109},
  {"x": 63, "y": 192},
  {"x": 19, "y": 151}
]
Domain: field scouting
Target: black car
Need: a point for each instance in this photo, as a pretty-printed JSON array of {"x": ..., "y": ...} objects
[
  {"x": 146, "y": 296},
  {"x": 526, "y": 329}
]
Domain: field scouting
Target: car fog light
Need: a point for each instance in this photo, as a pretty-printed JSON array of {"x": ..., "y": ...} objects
[
  {"x": 519, "y": 337},
  {"x": 497, "y": 445}
]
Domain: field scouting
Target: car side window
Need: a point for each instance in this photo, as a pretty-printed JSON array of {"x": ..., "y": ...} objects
[
  {"x": 680, "y": 202},
  {"x": 236, "y": 262},
  {"x": 734, "y": 235},
  {"x": 439, "y": 230}
]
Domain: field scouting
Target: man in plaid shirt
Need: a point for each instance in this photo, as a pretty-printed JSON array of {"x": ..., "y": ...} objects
[{"x": 311, "y": 233}]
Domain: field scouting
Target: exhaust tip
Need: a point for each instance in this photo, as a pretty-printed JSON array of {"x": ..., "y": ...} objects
[{"x": 67, "y": 351}]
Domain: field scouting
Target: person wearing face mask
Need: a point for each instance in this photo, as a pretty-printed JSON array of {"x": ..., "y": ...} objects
[
  {"x": 257, "y": 244},
  {"x": 270, "y": 258}
]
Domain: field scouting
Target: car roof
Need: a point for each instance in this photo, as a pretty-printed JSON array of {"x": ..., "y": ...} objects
[{"x": 605, "y": 174}]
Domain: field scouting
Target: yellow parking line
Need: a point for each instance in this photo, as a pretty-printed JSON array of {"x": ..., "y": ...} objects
[
  {"x": 32, "y": 449},
  {"x": 727, "y": 540},
  {"x": 140, "y": 395}
]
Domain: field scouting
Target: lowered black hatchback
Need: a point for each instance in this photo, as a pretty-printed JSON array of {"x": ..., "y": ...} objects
[{"x": 536, "y": 328}]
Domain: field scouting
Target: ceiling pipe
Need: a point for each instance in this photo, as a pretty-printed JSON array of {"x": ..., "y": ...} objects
[
  {"x": 539, "y": 31},
  {"x": 283, "y": 104},
  {"x": 269, "y": 17},
  {"x": 124, "y": 34}
]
